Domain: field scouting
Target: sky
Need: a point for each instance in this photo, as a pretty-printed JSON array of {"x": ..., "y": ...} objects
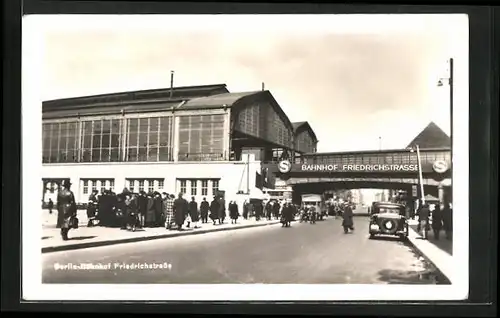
[{"x": 354, "y": 78}]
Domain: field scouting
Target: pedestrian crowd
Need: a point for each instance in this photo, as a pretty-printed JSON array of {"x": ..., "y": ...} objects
[
  {"x": 142, "y": 210},
  {"x": 131, "y": 211}
]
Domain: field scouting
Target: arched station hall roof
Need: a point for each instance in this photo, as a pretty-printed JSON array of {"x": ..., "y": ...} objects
[
  {"x": 133, "y": 101},
  {"x": 304, "y": 125}
]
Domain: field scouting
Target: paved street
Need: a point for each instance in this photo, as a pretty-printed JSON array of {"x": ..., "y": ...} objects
[{"x": 304, "y": 253}]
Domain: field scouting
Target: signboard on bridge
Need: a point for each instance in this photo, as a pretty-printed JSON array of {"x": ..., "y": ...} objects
[{"x": 285, "y": 167}]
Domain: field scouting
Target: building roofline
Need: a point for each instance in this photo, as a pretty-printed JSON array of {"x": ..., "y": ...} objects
[{"x": 128, "y": 93}]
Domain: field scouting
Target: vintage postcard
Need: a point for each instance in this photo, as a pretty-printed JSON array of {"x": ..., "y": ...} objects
[{"x": 245, "y": 157}]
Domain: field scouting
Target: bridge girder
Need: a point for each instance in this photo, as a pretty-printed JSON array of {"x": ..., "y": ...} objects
[{"x": 402, "y": 181}]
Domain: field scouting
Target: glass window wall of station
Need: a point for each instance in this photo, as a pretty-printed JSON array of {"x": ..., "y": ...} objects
[
  {"x": 108, "y": 140},
  {"x": 101, "y": 140},
  {"x": 149, "y": 139},
  {"x": 60, "y": 142},
  {"x": 201, "y": 138}
]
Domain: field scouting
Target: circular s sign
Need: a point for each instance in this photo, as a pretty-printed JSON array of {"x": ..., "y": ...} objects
[
  {"x": 284, "y": 166},
  {"x": 440, "y": 166}
]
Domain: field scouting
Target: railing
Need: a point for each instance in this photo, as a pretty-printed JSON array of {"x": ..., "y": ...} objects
[{"x": 217, "y": 156}]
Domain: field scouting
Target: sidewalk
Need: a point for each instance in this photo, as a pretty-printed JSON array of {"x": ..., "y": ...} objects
[
  {"x": 438, "y": 252},
  {"x": 86, "y": 237}
]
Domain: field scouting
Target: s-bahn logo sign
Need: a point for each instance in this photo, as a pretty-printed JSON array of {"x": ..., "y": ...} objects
[
  {"x": 440, "y": 166},
  {"x": 284, "y": 166}
]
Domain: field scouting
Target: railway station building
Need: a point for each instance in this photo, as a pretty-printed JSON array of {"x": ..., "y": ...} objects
[{"x": 198, "y": 140}]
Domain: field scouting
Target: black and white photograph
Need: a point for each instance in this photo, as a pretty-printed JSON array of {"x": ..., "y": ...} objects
[{"x": 245, "y": 157}]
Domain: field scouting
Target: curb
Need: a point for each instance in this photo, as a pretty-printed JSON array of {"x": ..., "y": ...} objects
[
  {"x": 419, "y": 252},
  {"x": 60, "y": 248}
]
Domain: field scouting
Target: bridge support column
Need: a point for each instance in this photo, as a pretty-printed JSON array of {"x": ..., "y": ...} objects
[{"x": 441, "y": 196}]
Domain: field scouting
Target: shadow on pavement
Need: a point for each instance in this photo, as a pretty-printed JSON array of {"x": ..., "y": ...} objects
[
  {"x": 80, "y": 238},
  {"x": 443, "y": 244},
  {"x": 46, "y": 237},
  {"x": 427, "y": 276}
]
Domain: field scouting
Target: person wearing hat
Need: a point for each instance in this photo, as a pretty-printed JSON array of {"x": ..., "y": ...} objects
[
  {"x": 66, "y": 208},
  {"x": 214, "y": 210},
  {"x": 347, "y": 216},
  {"x": 180, "y": 211}
]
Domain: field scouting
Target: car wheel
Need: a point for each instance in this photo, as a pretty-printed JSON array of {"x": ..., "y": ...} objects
[{"x": 371, "y": 236}]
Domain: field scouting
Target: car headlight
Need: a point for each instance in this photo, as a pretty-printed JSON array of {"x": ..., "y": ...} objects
[{"x": 374, "y": 227}]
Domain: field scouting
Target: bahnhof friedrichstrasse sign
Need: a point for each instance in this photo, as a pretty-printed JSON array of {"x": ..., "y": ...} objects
[
  {"x": 285, "y": 167},
  {"x": 359, "y": 167}
]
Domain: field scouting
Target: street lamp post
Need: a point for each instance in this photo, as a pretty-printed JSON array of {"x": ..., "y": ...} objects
[
  {"x": 450, "y": 83},
  {"x": 420, "y": 175}
]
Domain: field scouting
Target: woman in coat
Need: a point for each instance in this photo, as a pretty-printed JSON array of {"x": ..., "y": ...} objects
[
  {"x": 66, "y": 208},
  {"x": 233, "y": 212},
  {"x": 214, "y": 210},
  {"x": 347, "y": 222}
]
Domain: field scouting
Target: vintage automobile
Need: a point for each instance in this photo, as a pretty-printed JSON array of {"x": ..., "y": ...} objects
[{"x": 388, "y": 218}]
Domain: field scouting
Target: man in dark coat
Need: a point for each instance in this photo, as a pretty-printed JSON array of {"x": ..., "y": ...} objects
[
  {"x": 447, "y": 220},
  {"x": 150, "y": 213},
  {"x": 348, "y": 222},
  {"x": 214, "y": 210},
  {"x": 269, "y": 210},
  {"x": 437, "y": 221},
  {"x": 180, "y": 211},
  {"x": 193, "y": 213},
  {"x": 258, "y": 210},
  {"x": 66, "y": 208},
  {"x": 204, "y": 207},
  {"x": 286, "y": 214},
  {"x": 423, "y": 219},
  {"x": 50, "y": 206},
  {"x": 245, "y": 210},
  {"x": 233, "y": 212},
  {"x": 158, "y": 208},
  {"x": 222, "y": 210}
]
